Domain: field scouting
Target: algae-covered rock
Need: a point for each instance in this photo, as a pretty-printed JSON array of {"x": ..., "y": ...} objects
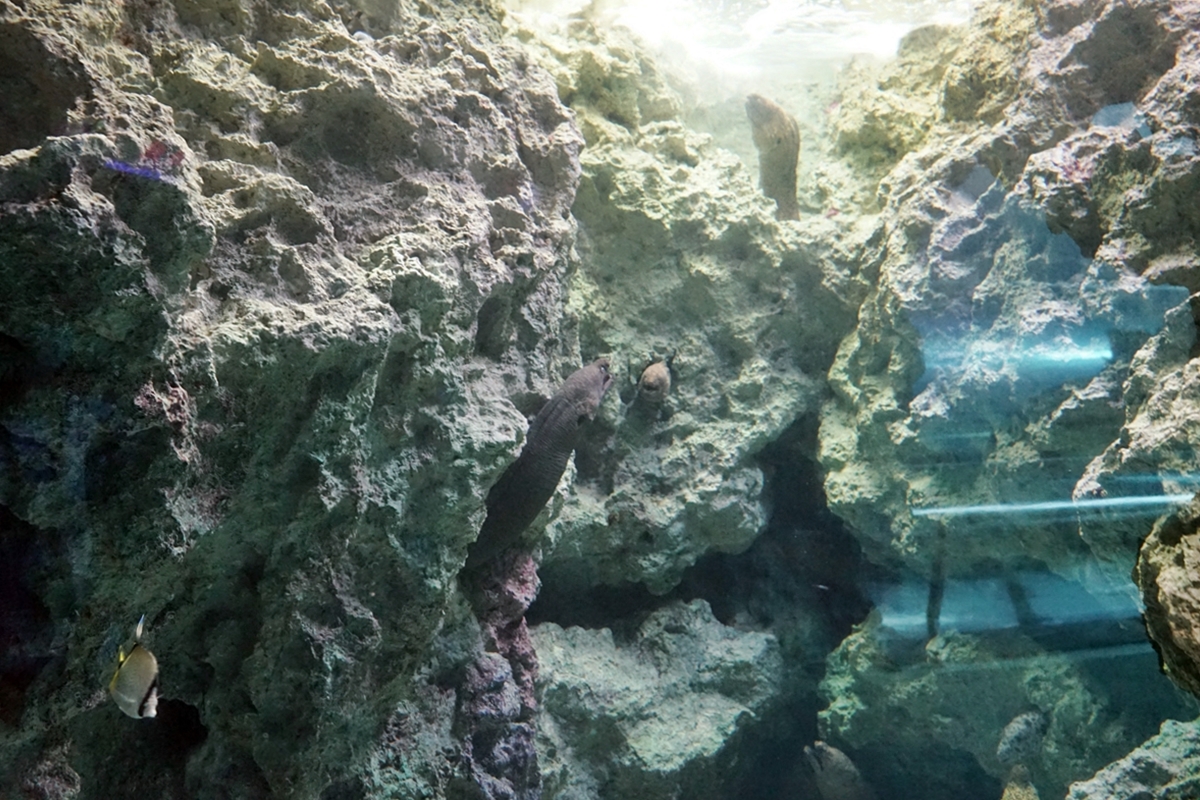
[
  {"x": 655, "y": 716},
  {"x": 956, "y": 699},
  {"x": 673, "y": 231},
  {"x": 668, "y": 241},
  {"x": 990, "y": 367},
  {"x": 282, "y": 285},
  {"x": 1166, "y": 574},
  {"x": 272, "y": 283},
  {"x": 879, "y": 121},
  {"x": 943, "y": 80},
  {"x": 1166, "y": 766},
  {"x": 997, "y": 395}
]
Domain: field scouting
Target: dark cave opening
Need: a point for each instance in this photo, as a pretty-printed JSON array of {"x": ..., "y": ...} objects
[
  {"x": 16, "y": 364},
  {"x": 804, "y": 561},
  {"x": 27, "y": 555},
  {"x": 116, "y": 756},
  {"x": 179, "y": 730}
]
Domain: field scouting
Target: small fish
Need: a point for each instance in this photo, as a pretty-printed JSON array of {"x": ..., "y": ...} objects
[
  {"x": 655, "y": 382},
  {"x": 134, "y": 686},
  {"x": 1021, "y": 738}
]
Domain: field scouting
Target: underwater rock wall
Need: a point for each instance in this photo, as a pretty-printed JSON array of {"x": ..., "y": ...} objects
[
  {"x": 1013, "y": 397},
  {"x": 682, "y": 260},
  {"x": 990, "y": 366},
  {"x": 1166, "y": 574},
  {"x": 1165, "y": 766},
  {"x": 654, "y": 717},
  {"x": 281, "y": 284},
  {"x": 274, "y": 276}
]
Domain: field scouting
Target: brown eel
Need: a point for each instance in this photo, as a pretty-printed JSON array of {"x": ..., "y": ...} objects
[
  {"x": 516, "y": 499},
  {"x": 777, "y": 139}
]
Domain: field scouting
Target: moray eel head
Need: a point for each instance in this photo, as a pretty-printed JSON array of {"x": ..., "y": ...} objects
[
  {"x": 521, "y": 492},
  {"x": 586, "y": 387}
]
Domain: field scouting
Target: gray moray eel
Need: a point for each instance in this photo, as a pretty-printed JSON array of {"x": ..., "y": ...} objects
[
  {"x": 516, "y": 499},
  {"x": 837, "y": 777}
]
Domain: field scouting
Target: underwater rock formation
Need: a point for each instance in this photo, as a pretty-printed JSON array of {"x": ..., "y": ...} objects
[
  {"x": 305, "y": 260},
  {"x": 653, "y": 717},
  {"x": 1166, "y": 766},
  {"x": 989, "y": 367},
  {"x": 674, "y": 232},
  {"x": 777, "y": 138},
  {"x": 1166, "y": 574},
  {"x": 495, "y": 715},
  {"x": 959, "y": 695},
  {"x": 1014, "y": 391},
  {"x": 283, "y": 283}
]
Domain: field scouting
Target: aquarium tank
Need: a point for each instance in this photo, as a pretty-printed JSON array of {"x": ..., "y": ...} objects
[{"x": 609, "y": 400}]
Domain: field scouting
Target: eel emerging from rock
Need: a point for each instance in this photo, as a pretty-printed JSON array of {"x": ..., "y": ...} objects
[
  {"x": 529, "y": 482},
  {"x": 837, "y": 777},
  {"x": 777, "y": 139}
]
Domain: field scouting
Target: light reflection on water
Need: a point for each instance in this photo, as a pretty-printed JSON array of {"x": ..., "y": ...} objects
[
  {"x": 1153, "y": 505},
  {"x": 756, "y": 39}
]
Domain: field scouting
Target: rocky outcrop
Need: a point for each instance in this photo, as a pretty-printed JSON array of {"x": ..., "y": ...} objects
[
  {"x": 657, "y": 716},
  {"x": 958, "y": 697},
  {"x": 988, "y": 367},
  {"x": 283, "y": 284},
  {"x": 273, "y": 279},
  {"x": 993, "y": 410},
  {"x": 674, "y": 232},
  {"x": 1165, "y": 766},
  {"x": 1166, "y": 574}
]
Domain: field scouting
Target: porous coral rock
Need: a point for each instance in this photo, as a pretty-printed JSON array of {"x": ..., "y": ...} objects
[
  {"x": 358, "y": 271},
  {"x": 349, "y": 254},
  {"x": 1165, "y": 766},
  {"x": 940, "y": 463},
  {"x": 673, "y": 231},
  {"x": 653, "y": 717},
  {"x": 957, "y": 696},
  {"x": 1166, "y": 574},
  {"x": 948, "y": 273}
]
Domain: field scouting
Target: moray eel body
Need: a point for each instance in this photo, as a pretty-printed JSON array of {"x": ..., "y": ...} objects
[
  {"x": 837, "y": 777},
  {"x": 529, "y": 482},
  {"x": 777, "y": 139}
]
